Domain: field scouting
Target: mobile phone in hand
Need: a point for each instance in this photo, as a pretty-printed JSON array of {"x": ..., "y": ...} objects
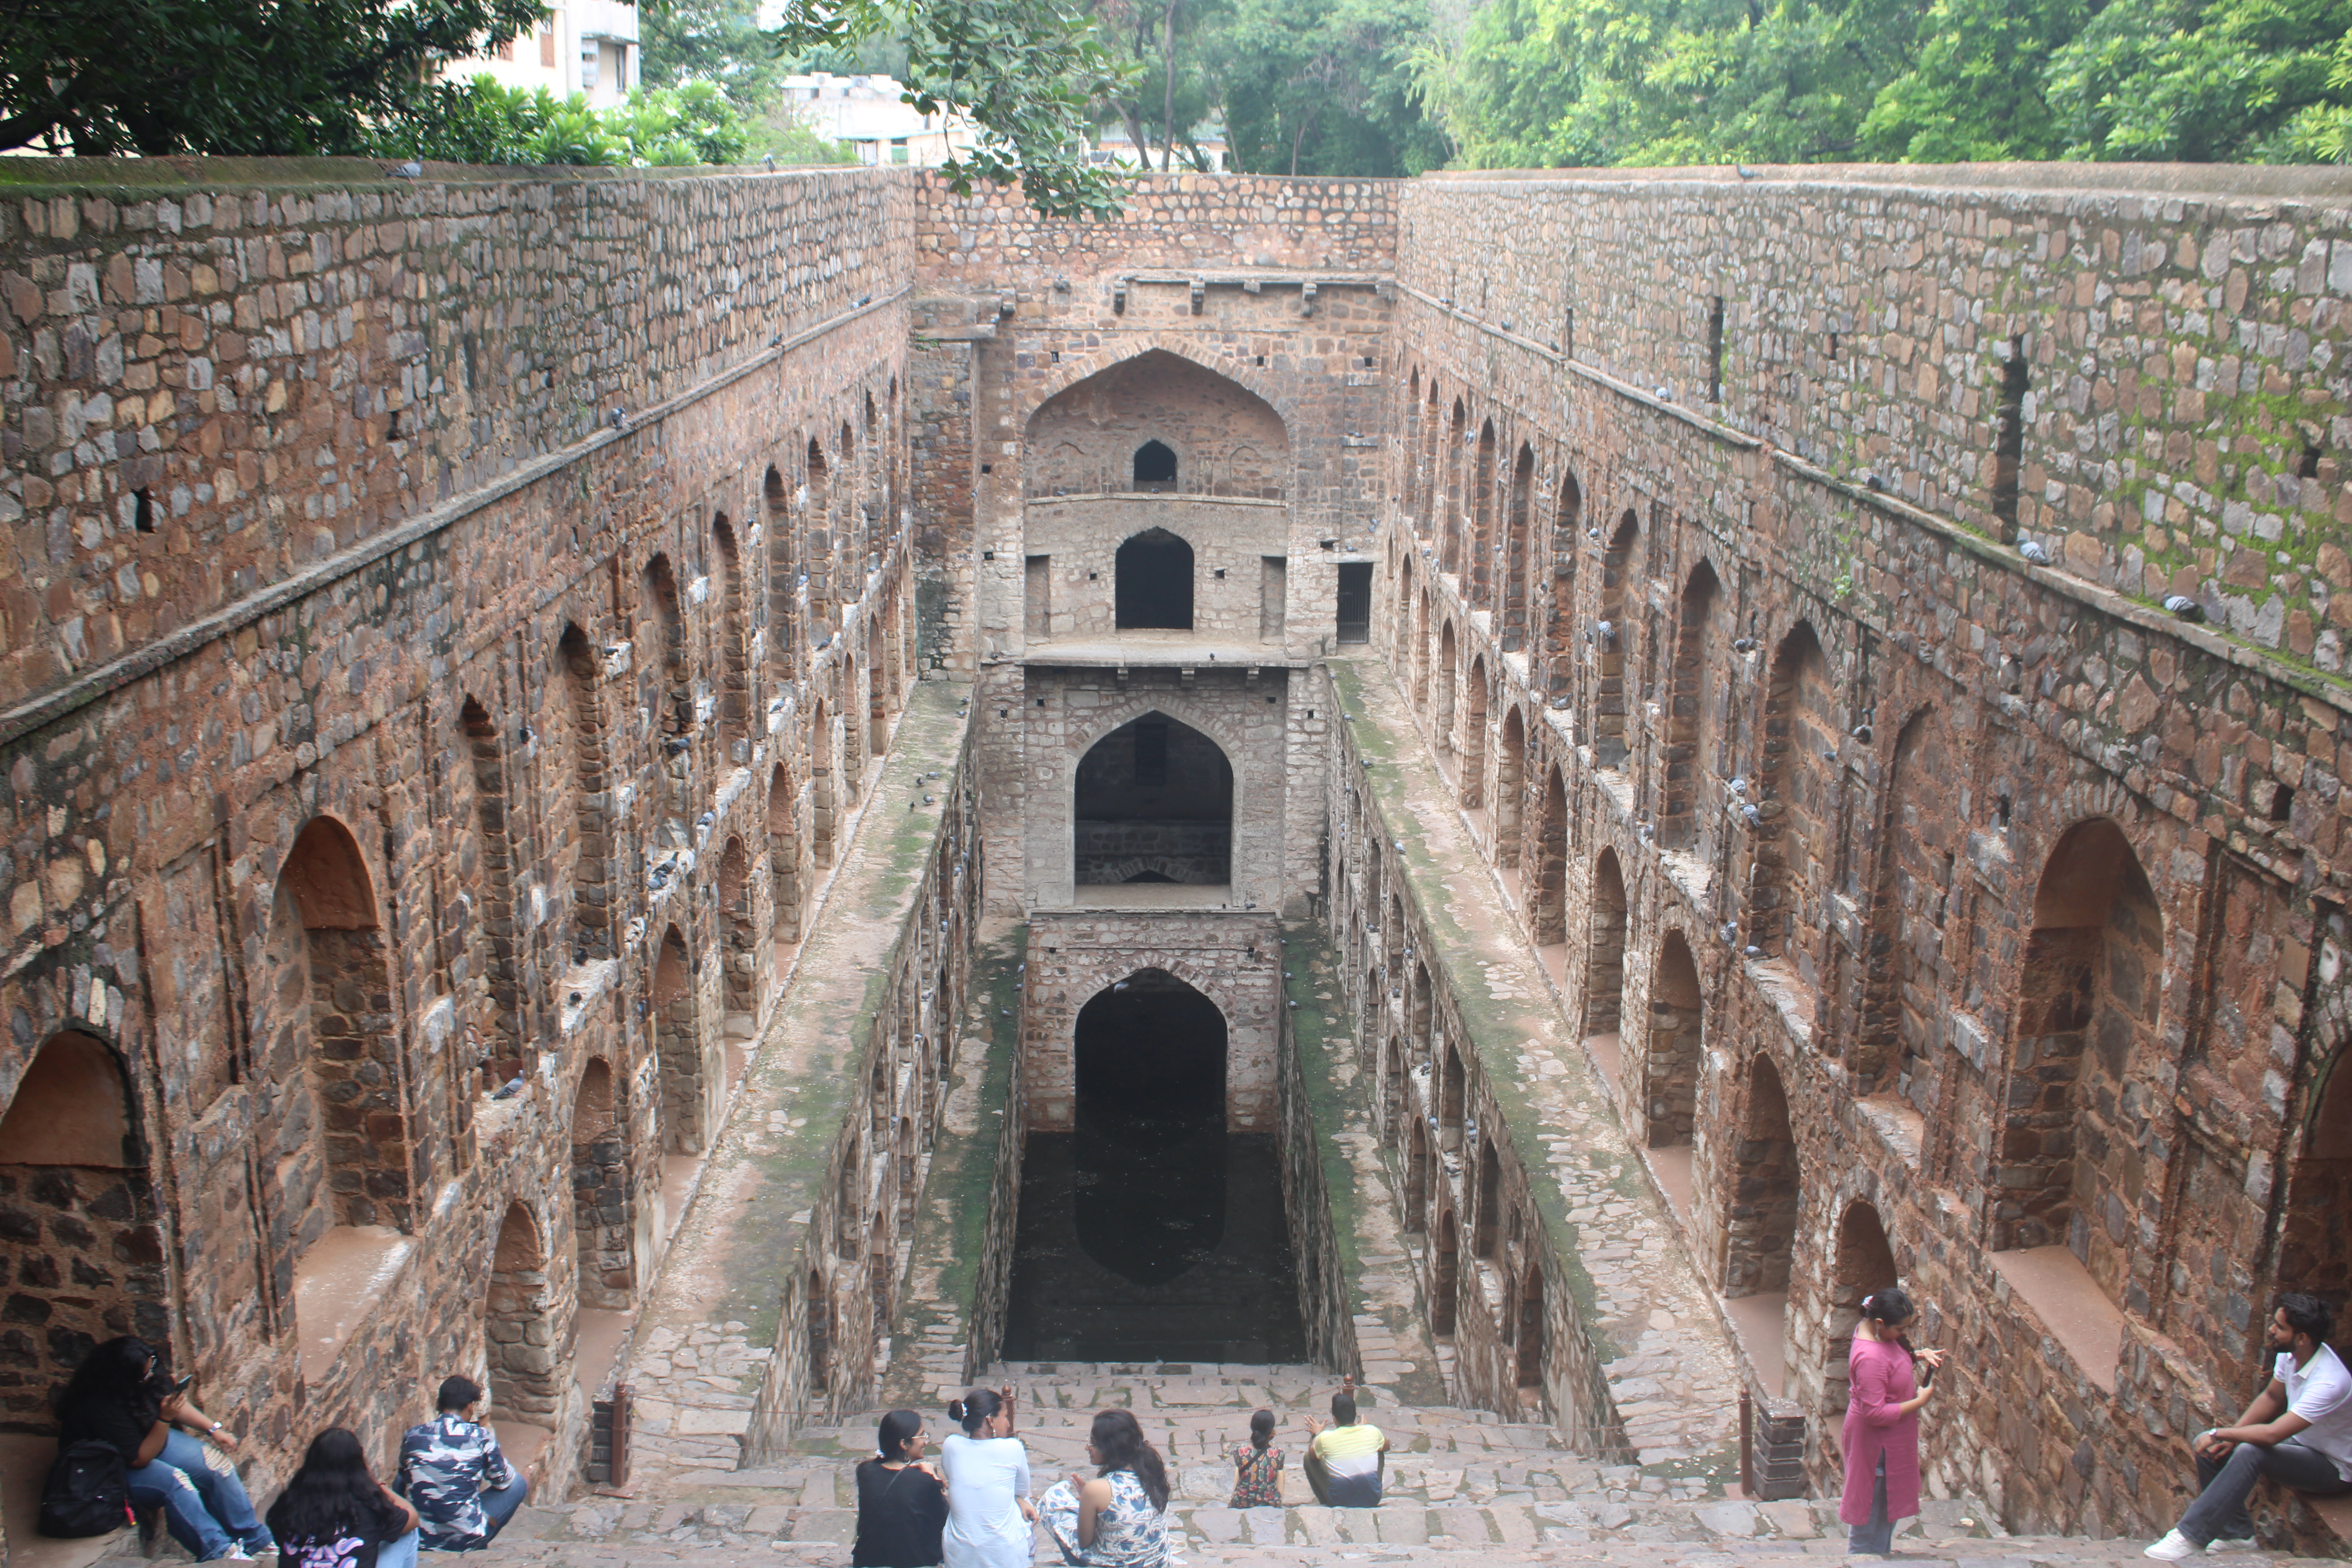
[
  {"x": 181, "y": 1385},
  {"x": 1927, "y": 1374}
]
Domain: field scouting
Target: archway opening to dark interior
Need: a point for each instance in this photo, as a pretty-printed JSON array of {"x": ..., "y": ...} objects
[
  {"x": 1155, "y": 467},
  {"x": 1154, "y": 803},
  {"x": 1154, "y": 584},
  {"x": 1149, "y": 1232}
]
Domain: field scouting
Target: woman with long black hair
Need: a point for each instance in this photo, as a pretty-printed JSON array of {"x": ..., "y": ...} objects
[
  {"x": 1116, "y": 1518},
  {"x": 334, "y": 1513},
  {"x": 1883, "y": 1393},
  {"x": 902, "y": 1502},
  {"x": 120, "y": 1397}
]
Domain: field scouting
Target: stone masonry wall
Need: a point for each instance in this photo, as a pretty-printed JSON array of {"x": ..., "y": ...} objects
[
  {"x": 1852, "y": 802},
  {"x": 388, "y": 725}
]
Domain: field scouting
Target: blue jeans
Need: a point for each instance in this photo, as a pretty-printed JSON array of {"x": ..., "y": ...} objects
[
  {"x": 205, "y": 1509},
  {"x": 399, "y": 1553},
  {"x": 2219, "y": 1512},
  {"x": 500, "y": 1505},
  {"x": 1876, "y": 1538}
]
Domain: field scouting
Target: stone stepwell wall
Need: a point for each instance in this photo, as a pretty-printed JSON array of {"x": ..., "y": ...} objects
[
  {"x": 209, "y": 383},
  {"x": 429, "y": 754},
  {"x": 2183, "y": 395}
]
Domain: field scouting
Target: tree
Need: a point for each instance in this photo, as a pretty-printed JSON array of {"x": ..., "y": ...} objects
[
  {"x": 2228, "y": 80},
  {"x": 267, "y": 77},
  {"x": 1028, "y": 72},
  {"x": 717, "y": 41},
  {"x": 1977, "y": 91},
  {"x": 1326, "y": 87}
]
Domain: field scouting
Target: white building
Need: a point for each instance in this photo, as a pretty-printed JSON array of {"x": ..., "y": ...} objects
[
  {"x": 868, "y": 113},
  {"x": 587, "y": 47}
]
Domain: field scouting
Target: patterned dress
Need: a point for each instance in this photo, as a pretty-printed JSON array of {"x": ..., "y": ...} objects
[
  {"x": 1129, "y": 1531},
  {"x": 1258, "y": 1478}
]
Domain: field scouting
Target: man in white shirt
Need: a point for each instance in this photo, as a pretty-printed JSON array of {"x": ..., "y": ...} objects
[{"x": 2298, "y": 1432}]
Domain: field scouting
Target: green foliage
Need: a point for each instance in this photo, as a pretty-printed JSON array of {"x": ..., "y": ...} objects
[
  {"x": 1324, "y": 87},
  {"x": 717, "y": 41},
  {"x": 483, "y": 122},
  {"x": 1028, "y": 72},
  {"x": 782, "y": 133},
  {"x": 263, "y": 78},
  {"x": 1679, "y": 81}
]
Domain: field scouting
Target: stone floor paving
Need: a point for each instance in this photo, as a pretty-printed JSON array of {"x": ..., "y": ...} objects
[{"x": 1461, "y": 1484}]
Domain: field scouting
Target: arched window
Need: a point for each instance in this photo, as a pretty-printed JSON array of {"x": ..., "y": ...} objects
[
  {"x": 1154, "y": 587},
  {"x": 1155, "y": 467},
  {"x": 1154, "y": 803}
]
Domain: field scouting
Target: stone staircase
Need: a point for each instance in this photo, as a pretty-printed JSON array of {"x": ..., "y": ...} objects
[{"x": 1460, "y": 1484}]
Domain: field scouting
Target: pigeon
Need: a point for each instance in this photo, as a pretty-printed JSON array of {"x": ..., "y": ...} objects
[
  {"x": 412, "y": 170},
  {"x": 1738, "y": 786},
  {"x": 617, "y": 420},
  {"x": 1730, "y": 931},
  {"x": 1755, "y": 817},
  {"x": 513, "y": 1087},
  {"x": 2033, "y": 552},
  {"x": 1752, "y": 951},
  {"x": 2182, "y": 605}
]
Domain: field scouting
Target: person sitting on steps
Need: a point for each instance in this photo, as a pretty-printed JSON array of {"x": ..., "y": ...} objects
[
  {"x": 1345, "y": 1460},
  {"x": 2298, "y": 1432},
  {"x": 452, "y": 1469},
  {"x": 120, "y": 1395}
]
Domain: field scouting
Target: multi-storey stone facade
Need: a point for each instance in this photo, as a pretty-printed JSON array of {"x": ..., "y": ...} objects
[{"x": 453, "y": 628}]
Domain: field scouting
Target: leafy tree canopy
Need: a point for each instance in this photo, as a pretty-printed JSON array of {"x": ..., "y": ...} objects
[{"x": 1324, "y": 87}]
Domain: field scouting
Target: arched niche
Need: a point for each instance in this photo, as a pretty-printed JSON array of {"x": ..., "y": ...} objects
[
  {"x": 82, "y": 1255},
  {"x": 1086, "y": 439},
  {"x": 1154, "y": 468},
  {"x": 1153, "y": 802}
]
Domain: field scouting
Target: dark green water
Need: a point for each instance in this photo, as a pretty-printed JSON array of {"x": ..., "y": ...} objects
[{"x": 1138, "y": 1240}]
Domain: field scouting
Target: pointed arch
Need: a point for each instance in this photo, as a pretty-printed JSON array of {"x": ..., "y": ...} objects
[
  {"x": 1510, "y": 789},
  {"x": 526, "y": 1364},
  {"x": 784, "y": 852},
  {"x": 1152, "y": 582},
  {"x": 601, "y": 1225},
  {"x": 1452, "y": 518},
  {"x": 1865, "y": 1262},
  {"x": 1604, "y": 958},
  {"x": 1485, "y": 538},
  {"x": 1472, "y": 776},
  {"x": 1445, "y": 1268},
  {"x": 1448, "y": 652},
  {"x": 1692, "y": 688},
  {"x": 593, "y": 837},
  {"x": 1548, "y": 900},
  {"x": 734, "y": 639},
  {"x": 1516, "y": 546},
  {"x": 738, "y": 931},
  {"x": 1152, "y": 800},
  {"x": 1759, "y": 1221},
  {"x": 1676, "y": 1044},
  {"x": 2087, "y": 1004},
  {"x": 688, "y": 1089},
  {"x": 498, "y": 1006},
  {"x": 1893, "y": 1049},
  {"x": 784, "y": 575},
  {"x": 1790, "y": 845},
  {"x": 1612, "y": 645},
  {"x": 1559, "y": 617}
]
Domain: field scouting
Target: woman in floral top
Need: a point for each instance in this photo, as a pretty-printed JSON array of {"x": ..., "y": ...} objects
[{"x": 1257, "y": 1470}]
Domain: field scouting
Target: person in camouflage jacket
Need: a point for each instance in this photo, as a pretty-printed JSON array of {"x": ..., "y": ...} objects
[{"x": 451, "y": 1469}]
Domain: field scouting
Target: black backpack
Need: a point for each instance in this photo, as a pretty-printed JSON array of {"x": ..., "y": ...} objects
[{"x": 86, "y": 1493}]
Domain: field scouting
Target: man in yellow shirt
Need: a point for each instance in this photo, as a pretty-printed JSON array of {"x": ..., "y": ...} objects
[{"x": 1345, "y": 1459}]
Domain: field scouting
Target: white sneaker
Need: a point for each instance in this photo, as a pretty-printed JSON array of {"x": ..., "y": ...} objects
[
  {"x": 2171, "y": 1549},
  {"x": 2220, "y": 1543},
  {"x": 235, "y": 1554}
]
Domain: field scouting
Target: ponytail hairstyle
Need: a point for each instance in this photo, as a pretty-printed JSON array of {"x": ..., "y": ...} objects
[
  {"x": 898, "y": 1427},
  {"x": 975, "y": 1409},
  {"x": 1891, "y": 1307},
  {"x": 1120, "y": 1442},
  {"x": 1262, "y": 1430}
]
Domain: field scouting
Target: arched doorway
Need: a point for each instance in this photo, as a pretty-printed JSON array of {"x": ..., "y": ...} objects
[
  {"x": 1153, "y": 582},
  {"x": 1445, "y": 1261},
  {"x": 1153, "y": 802},
  {"x": 1155, "y": 467},
  {"x": 1547, "y": 905},
  {"x": 1473, "y": 781},
  {"x": 785, "y": 853},
  {"x": 735, "y": 924},
  {"x": 1149, "y": 1125},
  {"x": 1530, "y": 1335},
  {"x": 523, "y": 1354},
  {"x": 1604, "y": 962},
  {"x": 1511, "y": 784},
  {"x": 599, "y": 1194},
  {"x": 83, "y": 1249},
  {"x": 2315, "y": 1242}
]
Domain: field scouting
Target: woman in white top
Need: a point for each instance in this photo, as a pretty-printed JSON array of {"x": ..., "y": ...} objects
[{"x": 990, "y": 1516}]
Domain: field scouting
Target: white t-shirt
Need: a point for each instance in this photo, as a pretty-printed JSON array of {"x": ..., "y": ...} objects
[
  {"x": 2320, "y": 1391},
  {"x": 984, "y": 1477}
]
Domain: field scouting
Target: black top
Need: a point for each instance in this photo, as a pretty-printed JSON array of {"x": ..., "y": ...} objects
[
  {"x": 123, "y": 1421},
  {"x": 899, "y": 1515},
  {"x": 353, "y": 1544}
]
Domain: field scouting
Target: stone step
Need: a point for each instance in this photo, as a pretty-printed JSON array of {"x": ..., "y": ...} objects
[{"x": 614, "y": 1533}]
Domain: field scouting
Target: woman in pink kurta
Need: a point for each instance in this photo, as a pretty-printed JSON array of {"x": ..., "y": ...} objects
[{"x": 1882, "y": 1424}]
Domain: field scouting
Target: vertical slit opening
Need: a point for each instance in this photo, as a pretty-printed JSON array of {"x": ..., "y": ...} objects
[
  {"x": 2009, "y": 440},
  {"x": 1714, "y": 348}
]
